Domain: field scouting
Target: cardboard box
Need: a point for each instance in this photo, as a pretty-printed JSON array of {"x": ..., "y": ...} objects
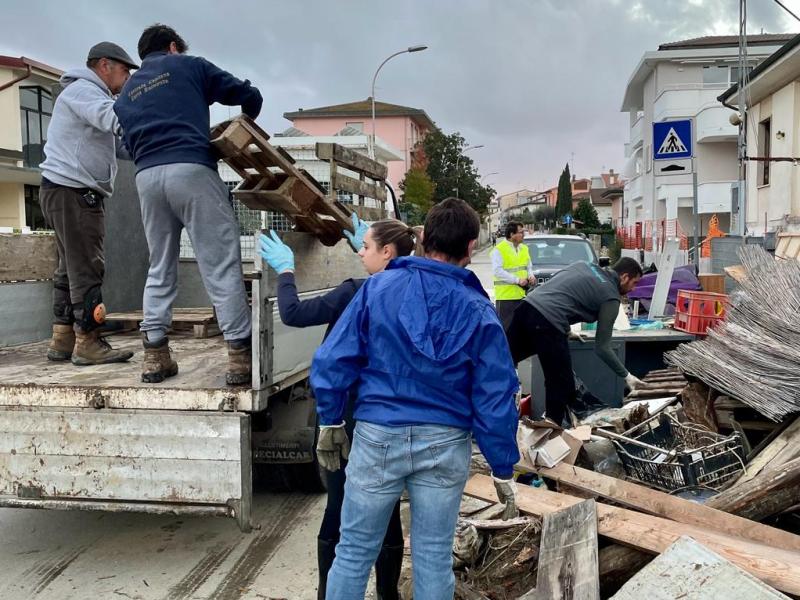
[{"x": 545, "y": 444}]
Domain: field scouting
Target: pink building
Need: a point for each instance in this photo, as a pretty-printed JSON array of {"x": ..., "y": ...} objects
[{"x": 399, "y": 126}]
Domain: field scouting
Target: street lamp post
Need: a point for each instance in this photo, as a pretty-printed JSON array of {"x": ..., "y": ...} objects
[
  {"x": 458, "y": 158},
  {"x": 375, "y": 77},
  {"x": 489, "y": 175}
]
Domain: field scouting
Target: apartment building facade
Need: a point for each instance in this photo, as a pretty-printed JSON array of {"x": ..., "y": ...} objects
[
  {"x": 681, "y": 82},
  {"x": 26, "y": 105}
]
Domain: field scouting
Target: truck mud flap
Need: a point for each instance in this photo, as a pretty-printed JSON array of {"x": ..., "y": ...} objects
[{"x": 178, "y": 462}]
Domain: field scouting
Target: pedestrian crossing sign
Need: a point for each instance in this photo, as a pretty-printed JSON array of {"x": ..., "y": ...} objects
[{"x": 672, "y": 139}]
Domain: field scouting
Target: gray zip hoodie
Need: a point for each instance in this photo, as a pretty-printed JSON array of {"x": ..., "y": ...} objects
[{"x": 81, "y": 148}]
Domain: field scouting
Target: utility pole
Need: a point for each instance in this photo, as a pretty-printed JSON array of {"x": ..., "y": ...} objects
[{"x": 741, "y": 196}]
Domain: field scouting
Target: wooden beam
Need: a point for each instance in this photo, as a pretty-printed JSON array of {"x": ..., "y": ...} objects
[
  {"x": 654, "y": 502},
  {"x": 27, "y": 256},
  {"x": 568, "y": 556},
  {"x": 352, "y": 160},
  {"x": 778, "y": 567},
  {"x": 617, "y": 564},
  {"x": 769, "y": 493},
  {"x": 782, "y": 449},
  {"x": 354, "y": 186}
]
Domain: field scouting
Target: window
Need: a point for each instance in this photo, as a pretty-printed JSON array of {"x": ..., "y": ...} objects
[
  {"x": 357, "y": 125},
  {"x": 35, "y": 110},
  {"x": 33, "y": 210},
  {"x": 764, "y": 135},
  {"x": 715, "y": 75}
]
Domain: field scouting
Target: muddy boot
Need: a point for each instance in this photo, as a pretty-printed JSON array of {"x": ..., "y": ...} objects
[
  {"x": 63, "y": 342},
  {"x": 91, "y": 349},
  {"x": 158, "y": 363},
  {"x": 239, "y": 362}
]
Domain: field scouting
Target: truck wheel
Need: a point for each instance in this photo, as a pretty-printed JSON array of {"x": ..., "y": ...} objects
[{"x": 272, "y": 478}]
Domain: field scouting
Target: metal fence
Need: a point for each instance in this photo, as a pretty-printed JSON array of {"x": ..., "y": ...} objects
[
  {"x": 644, "y": 234},
  {"x": 249, "y": 221}
]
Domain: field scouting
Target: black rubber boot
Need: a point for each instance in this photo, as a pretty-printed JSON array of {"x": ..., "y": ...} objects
[
  {"x": 326, "y": 552},
  {"x": 387, "y": 572}
]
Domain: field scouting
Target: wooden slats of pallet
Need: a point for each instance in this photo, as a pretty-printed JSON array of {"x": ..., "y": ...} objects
[
  {"x": 270, "y": 181},
  {"x": 345, "y": 158}
]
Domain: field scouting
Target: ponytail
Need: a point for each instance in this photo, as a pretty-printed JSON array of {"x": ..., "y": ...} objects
[{"x": 404, "y": 238}]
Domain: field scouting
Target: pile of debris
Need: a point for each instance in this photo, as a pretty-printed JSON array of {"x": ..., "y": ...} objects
[
  {"x": 753, "y": 356},
  {"x": 666, "y": 478}
]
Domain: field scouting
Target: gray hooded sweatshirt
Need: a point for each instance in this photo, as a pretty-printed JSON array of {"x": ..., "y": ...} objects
[{"x": 81, "y": 147}]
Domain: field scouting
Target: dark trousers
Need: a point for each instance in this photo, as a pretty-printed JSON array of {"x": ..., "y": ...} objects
[
  {"x": 505, "y": 310},
  {"x": 80, "y": 230},
  {"x": 530, "y": 333}
]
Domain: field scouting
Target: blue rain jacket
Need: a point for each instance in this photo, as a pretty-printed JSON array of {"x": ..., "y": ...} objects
[{"x": 423, "y": 345}]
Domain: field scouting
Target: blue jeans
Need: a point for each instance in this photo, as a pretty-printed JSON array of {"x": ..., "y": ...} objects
[{"x": 432, "y": 463}]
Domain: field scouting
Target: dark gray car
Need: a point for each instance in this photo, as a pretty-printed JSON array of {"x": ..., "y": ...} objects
[{"x": 551, "y": 253}]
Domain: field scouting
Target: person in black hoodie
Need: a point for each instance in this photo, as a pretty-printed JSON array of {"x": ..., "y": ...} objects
[
  {"x": 164, "y": 115},
  {"x": 376, "y": 245}
]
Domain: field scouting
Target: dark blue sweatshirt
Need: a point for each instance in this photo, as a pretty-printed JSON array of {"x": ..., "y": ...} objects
[
  {"x": 314, "y": 311},
  {"x": 163, "y": 108}
]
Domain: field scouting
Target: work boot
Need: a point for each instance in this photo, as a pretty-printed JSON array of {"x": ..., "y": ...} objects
[
  {"x": 158, "y": 363},
  {"x": 387, "y": 572},
  {"x": 239, "y": 362},
  {"x": 91, "y": 349},
  {"x": 63, "y": 342},
  {"x": 326, "y": 552}
]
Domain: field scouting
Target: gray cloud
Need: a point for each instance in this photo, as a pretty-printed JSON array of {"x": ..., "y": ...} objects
[{"x": 532, "y": 80}]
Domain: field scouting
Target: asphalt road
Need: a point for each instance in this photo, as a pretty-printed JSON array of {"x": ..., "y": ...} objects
[{"x": 78, "y": 555}]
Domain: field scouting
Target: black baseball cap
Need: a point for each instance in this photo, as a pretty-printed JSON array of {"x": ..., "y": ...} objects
[{"x": 113, "y": 52}]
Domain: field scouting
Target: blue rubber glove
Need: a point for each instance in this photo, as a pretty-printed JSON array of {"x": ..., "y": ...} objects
[
  {"x": 356, "y": 239},
  {"x": 277, "y": 254}
]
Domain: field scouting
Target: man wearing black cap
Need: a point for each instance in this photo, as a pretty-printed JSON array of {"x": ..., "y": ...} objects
[{"x": 77, "y": 175}]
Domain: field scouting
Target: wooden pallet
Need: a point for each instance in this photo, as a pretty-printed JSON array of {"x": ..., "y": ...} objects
[
  {"x": 270, "y": 181},
  {"x": 366, "y": 168},
  {"x": 201, "y": 321}
]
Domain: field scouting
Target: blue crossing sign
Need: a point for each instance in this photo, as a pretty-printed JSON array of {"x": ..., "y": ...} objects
[{"x": 672, "y": 139}]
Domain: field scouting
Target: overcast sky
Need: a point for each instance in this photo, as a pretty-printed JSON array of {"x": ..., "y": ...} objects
[{"x": 531, "y": 80}]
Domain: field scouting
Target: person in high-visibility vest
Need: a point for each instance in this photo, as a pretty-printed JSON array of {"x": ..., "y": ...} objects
[{"x": 512, "y": 270}]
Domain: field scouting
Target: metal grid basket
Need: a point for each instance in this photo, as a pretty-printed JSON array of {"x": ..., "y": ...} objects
[{"x": 669, "y": 455}]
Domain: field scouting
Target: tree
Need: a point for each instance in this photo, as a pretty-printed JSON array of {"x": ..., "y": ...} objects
[
  {"x": 564, "y": 199},
  {"x": 450, "y": 169},
  {"x": 586, "y": 214},
  {"x": 544, "y": 215},
  {"x": 418, "y": 193},
  {"x": 526, "y": 218}
]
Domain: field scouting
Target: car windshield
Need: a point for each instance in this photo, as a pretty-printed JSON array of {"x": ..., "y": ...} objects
[{"x": 555, "y": 251}]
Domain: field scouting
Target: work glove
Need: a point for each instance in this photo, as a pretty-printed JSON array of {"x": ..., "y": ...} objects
[
  {"x": 277, "y": 254},
  {"x": 574, "y": 335},
  {"x": 356, "y": 239},
  {"x": 632, "y": 382},
  {"x": 507, "y": 494},
  {"x": 332, "y": 443}
]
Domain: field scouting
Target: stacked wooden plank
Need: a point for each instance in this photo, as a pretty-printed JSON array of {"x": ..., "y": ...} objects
[
  {"x": 202, "y": 322},
  {"x": 270, "y": 181}
]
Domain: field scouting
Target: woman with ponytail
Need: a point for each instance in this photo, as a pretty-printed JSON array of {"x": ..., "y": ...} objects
[{"x": 376, "y": 245}]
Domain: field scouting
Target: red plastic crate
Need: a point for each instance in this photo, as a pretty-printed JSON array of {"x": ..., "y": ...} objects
[{"x": 697, "y": 312}]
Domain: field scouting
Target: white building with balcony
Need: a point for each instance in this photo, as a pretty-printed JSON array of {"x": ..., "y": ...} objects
[
  {"x": 773, "y": 132},
  {"x": 679, "y": 81}
]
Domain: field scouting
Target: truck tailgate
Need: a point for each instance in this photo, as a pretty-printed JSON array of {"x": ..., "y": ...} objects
[{"x": 152, "y": 461}]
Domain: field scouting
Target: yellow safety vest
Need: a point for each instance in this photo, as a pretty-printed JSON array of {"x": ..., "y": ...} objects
[{"x": 515, "y": 263}]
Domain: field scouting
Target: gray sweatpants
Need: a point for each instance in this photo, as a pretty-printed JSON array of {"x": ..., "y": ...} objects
[{"x": 193, "y": 196}]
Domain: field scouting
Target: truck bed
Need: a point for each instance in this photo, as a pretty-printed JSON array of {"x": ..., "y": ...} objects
[{"x": 27, "y": 378}]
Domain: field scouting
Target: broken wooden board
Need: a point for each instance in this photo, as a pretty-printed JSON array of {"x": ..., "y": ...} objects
[
  {"x": 778, "y": 567},
  {"x": 654, "y": 502},
  {"x": 782, "y": 449},
  {"x": 270, "y": 181},
  {"x": 690, "y": 571},
  {"x": 568, "y": 556},
  {"x": 25, "y": 257},
  {"x": 193, "y": 316}
]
